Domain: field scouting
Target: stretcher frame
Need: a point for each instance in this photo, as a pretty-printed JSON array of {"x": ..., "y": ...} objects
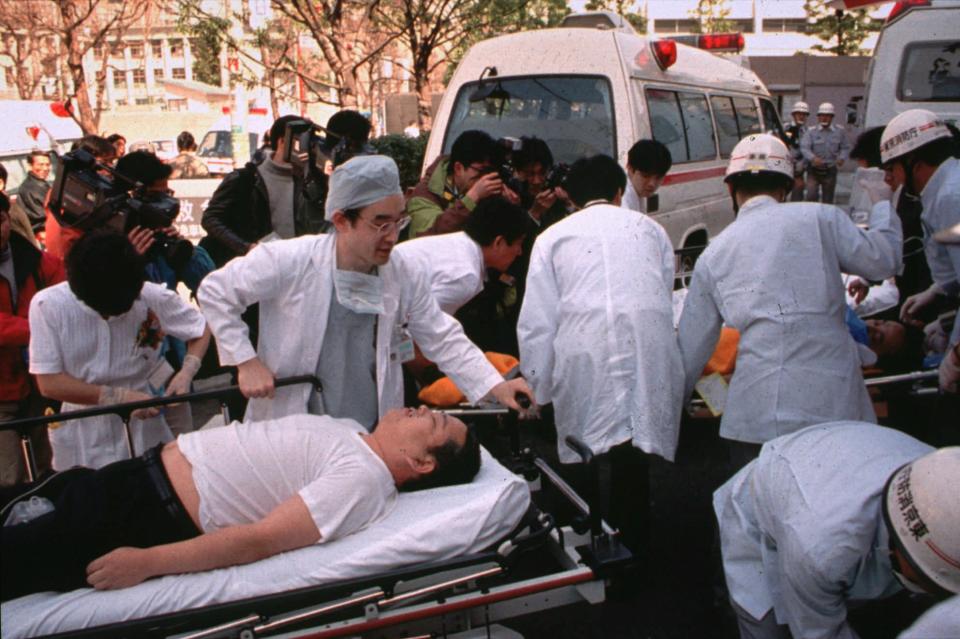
[{"x": 437, "y": 598}]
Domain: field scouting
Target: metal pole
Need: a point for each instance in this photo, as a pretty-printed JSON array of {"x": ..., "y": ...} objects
[
  {"x": 126, "y": 431},
  {"x": 26, "y": 448},
  {"x": 906, "y": 377}
]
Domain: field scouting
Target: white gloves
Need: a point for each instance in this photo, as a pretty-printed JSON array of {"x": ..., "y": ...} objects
[
  {"x": 876, "y": 191},
  {"x": 916, "y": 303},
  {"x": 950, "y": 370},
  {"x": 116, "y": 395},
  {"x": 179, "y": 384}
]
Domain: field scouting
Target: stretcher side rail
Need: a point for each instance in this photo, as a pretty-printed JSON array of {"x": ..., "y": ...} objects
[
  {"x": 24, "y": 425},
  {"x": 244, "y": 614}
]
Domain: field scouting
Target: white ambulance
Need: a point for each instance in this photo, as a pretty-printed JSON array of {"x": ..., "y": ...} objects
[
  {"x": 916, "y": 63},
  {"x": 595, "y": 86}
]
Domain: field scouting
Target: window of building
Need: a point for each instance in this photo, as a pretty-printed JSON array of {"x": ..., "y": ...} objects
[
  {"x": 176, "y": 48},
  {"x": 158, "y": 74},
  {"x": 675, "y": 26},
  {"x": 681, "y": 121},
  {"x": 743, "y": 25},
  {"x": 136, "y": 50},
  {"x": 785, "y": 25},
  {"x": 156, "y": 48},
  {"x": 139, "y": 78},
  {"x": 179, "y": 73},
  {"x": 142, "y": 101}
]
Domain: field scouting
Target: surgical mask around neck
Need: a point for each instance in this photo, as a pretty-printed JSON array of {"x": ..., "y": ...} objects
[{"x": 359, "y": 292}]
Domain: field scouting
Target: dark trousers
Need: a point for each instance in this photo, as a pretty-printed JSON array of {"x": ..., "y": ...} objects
[
  {"x": 128, "y": 503},
  {"x": 624, "y": 492},
  {"x": 821, "y": 183}
]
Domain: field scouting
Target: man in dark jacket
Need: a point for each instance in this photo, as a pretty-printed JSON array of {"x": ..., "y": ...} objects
[
  {"x": 260, "y": 201},
  {"x": 33, "y": 190},
  {"x": 24, "y": 270}
]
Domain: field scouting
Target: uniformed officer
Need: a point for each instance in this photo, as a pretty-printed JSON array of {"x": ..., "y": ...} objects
[
  {"x": 794, "y": 134},
  {"x": 824, "y": 148}
]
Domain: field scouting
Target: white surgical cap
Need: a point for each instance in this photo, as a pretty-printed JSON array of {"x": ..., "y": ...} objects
[{"x": 361, "y": 181}]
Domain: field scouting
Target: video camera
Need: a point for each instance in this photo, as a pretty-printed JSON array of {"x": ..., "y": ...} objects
[
  {"x": 88, "y": 195},
  {"x": 306, "y": 138}
]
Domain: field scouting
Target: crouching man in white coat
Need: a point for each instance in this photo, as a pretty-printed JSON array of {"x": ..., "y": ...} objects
[
  {"x": 337, "y": 306},
  {"x": 835, "y": 514},
  {"x": 596, "y": 337},
  {"x": 775, "y": 276}
]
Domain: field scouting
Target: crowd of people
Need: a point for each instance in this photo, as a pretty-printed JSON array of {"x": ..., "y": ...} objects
[{"x": 336, "y": 272}]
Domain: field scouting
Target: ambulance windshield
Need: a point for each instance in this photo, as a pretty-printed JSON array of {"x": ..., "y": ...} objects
[{"x": 572, "y": 114}]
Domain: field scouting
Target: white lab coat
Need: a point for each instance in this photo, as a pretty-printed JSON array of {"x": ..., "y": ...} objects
[
  {"x": 453, "y": 263},
  {"x": 940, "y": 622},
  {"x": 596, "y": 331},
  {"x": 293, "y": 282},
  {"x": 941, "y": 210},
  {"x": 774, "y": 275},
  {"x": 801, "y": 527}
]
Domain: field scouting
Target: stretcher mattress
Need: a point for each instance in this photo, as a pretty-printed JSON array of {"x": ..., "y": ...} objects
[{"x": 425, "y": 526}]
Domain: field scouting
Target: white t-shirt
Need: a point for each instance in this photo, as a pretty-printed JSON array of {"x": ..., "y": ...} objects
[
  {"x": 245, "y": 470},
  {"x": 67, "y": 336}
]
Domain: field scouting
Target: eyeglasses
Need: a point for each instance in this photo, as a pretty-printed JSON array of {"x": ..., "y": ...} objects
[
  {"x": 387, "y": 228},
  {"x": 483, "y": 169}
]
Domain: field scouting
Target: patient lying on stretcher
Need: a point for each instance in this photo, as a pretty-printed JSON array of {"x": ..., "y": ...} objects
[{"x": 227, "y": 496}]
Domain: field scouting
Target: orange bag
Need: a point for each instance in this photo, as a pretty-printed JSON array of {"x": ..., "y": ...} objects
[
  {"x": 724, "y": 357},
  {"x": 443, "y": 393}
]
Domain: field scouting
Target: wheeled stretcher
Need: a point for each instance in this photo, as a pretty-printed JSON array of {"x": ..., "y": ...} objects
[{"x": 444, "y": 560}]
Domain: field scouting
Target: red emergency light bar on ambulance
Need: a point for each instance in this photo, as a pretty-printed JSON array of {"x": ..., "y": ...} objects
[{"x": 595, "y": 86}]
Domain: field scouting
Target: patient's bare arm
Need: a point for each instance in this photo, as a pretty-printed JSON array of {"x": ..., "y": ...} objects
[{"x": 287, "y": 527}]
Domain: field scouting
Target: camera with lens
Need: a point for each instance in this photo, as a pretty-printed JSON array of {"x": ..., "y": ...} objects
[
  {"x": 88, "y": 195},
  {"x": 557, "y": 176},
  {"x": 310, "y": 146},
  {"x": 507, "y": 172}
]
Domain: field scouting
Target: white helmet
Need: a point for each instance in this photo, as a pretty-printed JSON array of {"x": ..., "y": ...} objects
[
  {"x": 922, "y": 510},
  {"x": 909, "y": 131},
  {"x": 760, "y": 153},
  {"x": 825, "y": 108},
  {"x": 800, "y": 107}
]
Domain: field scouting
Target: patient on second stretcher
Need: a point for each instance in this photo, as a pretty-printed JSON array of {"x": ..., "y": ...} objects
[{"x": 227, "y": 496}]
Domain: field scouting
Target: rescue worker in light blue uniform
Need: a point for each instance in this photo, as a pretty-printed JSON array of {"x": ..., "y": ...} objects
[
  {"x": 825, "y": 148},
  {"x": 832, "y": 515}
]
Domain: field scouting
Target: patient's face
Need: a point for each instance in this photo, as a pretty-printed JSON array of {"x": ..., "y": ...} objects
[
  {"x": 416, "y": 431},
  {"x": 886, "y": 337}
]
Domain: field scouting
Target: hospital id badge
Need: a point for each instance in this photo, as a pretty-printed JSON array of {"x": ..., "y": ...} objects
[{"x": 402, "y": 344}]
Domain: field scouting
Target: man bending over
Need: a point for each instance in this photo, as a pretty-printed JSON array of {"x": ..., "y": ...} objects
[{"x": 231, "y": 495}]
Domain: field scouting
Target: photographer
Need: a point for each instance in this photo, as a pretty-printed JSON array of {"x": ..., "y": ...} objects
[
  {"x": 260, "y": 200},
  {"x": 454, "y": 184},
  {"x": 95, "y": 340},
  {"x": 533, "y": 165},
  {"x": 58, "y": 240}
]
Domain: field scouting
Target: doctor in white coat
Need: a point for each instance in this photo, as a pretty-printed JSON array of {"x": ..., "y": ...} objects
[
  {"x": 456, "y": 263},
  {"x": 832, "y": 515},
  {"x": 338, "y": 306},
  {"x": 596, "y": 334},
  {"x": 775, "y": 276}
]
